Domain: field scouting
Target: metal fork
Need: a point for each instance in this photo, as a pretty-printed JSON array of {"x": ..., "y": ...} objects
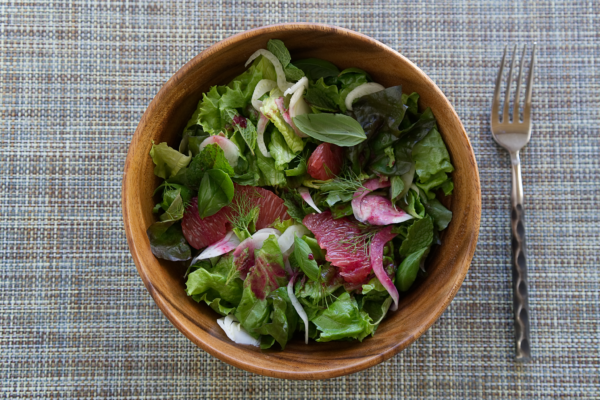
[{"x": 513, "y": 135}]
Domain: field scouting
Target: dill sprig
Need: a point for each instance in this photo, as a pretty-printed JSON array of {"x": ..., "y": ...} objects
[
  {"x": 361, "y": 242},
  {"x": 245, "y": 214}
]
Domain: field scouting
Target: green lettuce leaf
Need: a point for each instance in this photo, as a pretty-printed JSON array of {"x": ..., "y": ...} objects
[
  {"x": 343, "y": 320},
  {"x": 252, "y": 312},
  {"x": 374, "y": 290},
  {"x": 322, "y": 96},
  {"x": 411, "y": 102},
  {"x": 377, "y": 310},
  {"x": 350, "y": 79},
  {"x": 420, "y": 235},
  {"x": 247, "y": 172},
  {"x": 265, "y": 67},
  {"x": 295, "y": 206},
  {"x": 297, "y": 167},
  {"x": 270, "y": 175},
  {"x": 279, "y": 150},
  {"x": 412, "y": 205},
  {"x": 282, "y": 321},
  {"x": 431, "y": 156},
  {"x": 271, "y": 111},
  {"x": 167, "y": 160},
  {"x": 436, "y": 181},
  {"x": 210, "y": 285},
  {"x": 441, "y": 215},
  {"x": 167, "y": 241},
  {"x": 208, "y": 113}
]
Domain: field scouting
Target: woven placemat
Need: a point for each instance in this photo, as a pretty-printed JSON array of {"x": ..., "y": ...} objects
[{"x": 75, "y": 318}]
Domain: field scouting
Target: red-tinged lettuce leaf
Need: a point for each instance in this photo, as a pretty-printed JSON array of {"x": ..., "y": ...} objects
[
  {"x": 167, "y": 241},
  {"x": 380, "y": 109},
  {"x": 243, "y": 261},
  {"x": 268, "y": 272}
]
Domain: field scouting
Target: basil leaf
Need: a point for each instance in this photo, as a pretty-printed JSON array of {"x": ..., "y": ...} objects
[
  {"x": 303, "y": 254},
  {"x": 216, "y": 191},
  {"x": 407, "y": 271},
  {"x": 397, "y": 186},
  {"x": 167, "y": 241},
  {"x": 278, "y": 49},
  {"x": 338, "y": 129},
  {"x": 315, "y": 68}
]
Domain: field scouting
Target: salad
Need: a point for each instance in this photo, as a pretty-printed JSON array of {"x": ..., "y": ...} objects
[{"x": 303, "y": 198}]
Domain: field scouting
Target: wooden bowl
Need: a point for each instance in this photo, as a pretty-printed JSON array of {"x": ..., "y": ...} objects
[{"x": 165, "y": 119}]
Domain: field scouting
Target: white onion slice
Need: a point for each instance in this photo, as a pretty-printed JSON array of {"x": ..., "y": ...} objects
[
  {"x": 262, "y": 87},
  {"x": 286, "y": 240},
  {"x": 236, "y": 332},
  {"x": 260, "y": 135},
  {"x": 298, "y": 307},
  {"x": 305, "y": 194},
  {"x": 223, "y": 246},
  {"x": 296, "y": 86},
  {"x": 232, "y": 152},
  {"x": 281, "y": 82},
  {"x": 362, "y": 90}
]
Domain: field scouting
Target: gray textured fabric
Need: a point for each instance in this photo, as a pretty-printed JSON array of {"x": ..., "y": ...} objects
[{"x": 75, "y": 318}]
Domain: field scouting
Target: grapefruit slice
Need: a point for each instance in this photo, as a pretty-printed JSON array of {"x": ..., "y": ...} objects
[
  {"x": 202, "y": 232},
  {"x": 326, "y": 161},
  {"x": 345, "y": 244}
]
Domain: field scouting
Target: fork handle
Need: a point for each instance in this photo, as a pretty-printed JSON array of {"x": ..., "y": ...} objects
[{"x": 519, "y": 265}]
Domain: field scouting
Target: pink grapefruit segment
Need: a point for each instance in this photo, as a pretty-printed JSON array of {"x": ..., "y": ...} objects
[
  {"x": 344, "y": 243},
  {"x": 326, "y": 161},
  {"x": 201, "y": 232}
]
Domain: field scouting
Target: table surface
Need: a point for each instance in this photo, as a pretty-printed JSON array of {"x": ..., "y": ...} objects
[{"x": 76, "y": 320}]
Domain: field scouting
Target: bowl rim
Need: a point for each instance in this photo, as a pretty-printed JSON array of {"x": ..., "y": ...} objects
[{"x": 171, "y": 312}]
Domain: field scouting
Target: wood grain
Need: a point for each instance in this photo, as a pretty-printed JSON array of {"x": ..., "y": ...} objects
[{"x": 166, "y": 117}]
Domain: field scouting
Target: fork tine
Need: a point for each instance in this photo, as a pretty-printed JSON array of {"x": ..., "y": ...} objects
[
  {"x": 505, "y": 116},
  {"x": 496, "y": 100},
  {"x": 517, "y": 95},
  {"x": 527, "y": 108}
]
